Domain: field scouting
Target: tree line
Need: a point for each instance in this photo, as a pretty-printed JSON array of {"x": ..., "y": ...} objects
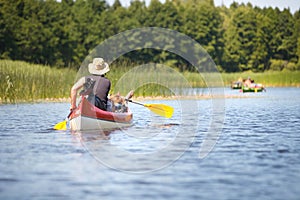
[{"x": 62, "y": 33}]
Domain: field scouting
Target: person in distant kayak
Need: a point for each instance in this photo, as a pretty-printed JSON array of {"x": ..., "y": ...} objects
[
  {"x": 96, "y": 85},
  {"x": 248, "y": 82}
]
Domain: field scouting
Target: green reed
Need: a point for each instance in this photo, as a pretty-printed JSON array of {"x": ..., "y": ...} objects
[
  {"x": 268, "y": 78},
  {"x": 151, "y": 80},
  {"x": 198, "y": 80},
  {"x": 21, "y": 81}
]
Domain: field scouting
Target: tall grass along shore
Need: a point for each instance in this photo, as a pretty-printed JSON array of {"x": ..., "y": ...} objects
[
  {"x": 269, "y": 79},
  {"x": 21, "y": 81}
]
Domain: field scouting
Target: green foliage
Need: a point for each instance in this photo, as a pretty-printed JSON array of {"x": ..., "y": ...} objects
[
  {"x": 62, "y": 33},
  {"x": 277, "y": 65},
  {"x": 203, "y": 23},
  {"x": 291, "y": 66},
  {"x": 244, "y": 46}
]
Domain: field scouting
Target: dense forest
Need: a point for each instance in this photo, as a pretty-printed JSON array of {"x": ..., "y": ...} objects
[{"x": 62, "y": 33}]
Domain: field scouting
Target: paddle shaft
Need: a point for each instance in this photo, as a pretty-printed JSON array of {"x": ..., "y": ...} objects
[
  {"x": 69, "y": 114},
  {"x": 135, "y": 102}
]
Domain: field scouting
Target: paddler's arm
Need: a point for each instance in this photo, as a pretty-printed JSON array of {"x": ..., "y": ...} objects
[{"x": 74, "y": 90}]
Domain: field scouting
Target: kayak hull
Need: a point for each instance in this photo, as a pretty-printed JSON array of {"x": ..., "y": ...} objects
[
  {"x": 236, "y": 85},
  {"x": 82, "y": 123},
  {"x": 256, "y": 89},
  {"x": 88, "y": 117}
]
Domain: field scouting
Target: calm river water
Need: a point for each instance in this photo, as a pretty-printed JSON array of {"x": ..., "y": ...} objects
[{"x": 256, "y": 156}]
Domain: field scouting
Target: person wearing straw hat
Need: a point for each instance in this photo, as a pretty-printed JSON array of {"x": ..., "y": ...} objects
[{"x": 96, "y": 85}]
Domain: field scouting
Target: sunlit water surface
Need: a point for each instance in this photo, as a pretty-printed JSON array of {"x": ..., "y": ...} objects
[{"x": 257, "y": 154}]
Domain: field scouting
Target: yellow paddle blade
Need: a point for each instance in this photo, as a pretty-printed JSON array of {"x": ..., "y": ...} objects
[
  {"x": 161, "y": 109},
  {"x": 61, "y": 125}
]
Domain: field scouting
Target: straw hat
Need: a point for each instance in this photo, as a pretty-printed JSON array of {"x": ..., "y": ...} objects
[{"x": 98, "y": 66}]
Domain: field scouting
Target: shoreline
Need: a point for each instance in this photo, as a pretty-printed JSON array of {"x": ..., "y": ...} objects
[
  {"x": 238, "y": 95},
  {"x": 46, "y": 100},
  {"x": 140, "y": 98}
]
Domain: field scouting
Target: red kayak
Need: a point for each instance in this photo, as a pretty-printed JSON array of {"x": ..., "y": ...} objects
[{"x": 89, "y": 117}]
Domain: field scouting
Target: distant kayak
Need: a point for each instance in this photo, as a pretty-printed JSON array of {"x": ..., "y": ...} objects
[
  {"x": 254, "y": 88},
  {"x": 89, "y": 117},
  {"x": 236, "y": 85}
]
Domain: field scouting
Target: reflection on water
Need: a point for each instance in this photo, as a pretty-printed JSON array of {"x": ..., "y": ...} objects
[
  {"x": 256, "y": 157},
  {"x": 88, "y": 136},
  {"x": 168, "y": 125}
]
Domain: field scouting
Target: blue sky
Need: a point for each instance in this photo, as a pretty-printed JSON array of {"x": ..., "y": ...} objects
[{"x": 292, "y": 4}]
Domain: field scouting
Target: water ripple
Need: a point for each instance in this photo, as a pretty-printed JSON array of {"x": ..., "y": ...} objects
[{"x": 257, "y": 156}]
